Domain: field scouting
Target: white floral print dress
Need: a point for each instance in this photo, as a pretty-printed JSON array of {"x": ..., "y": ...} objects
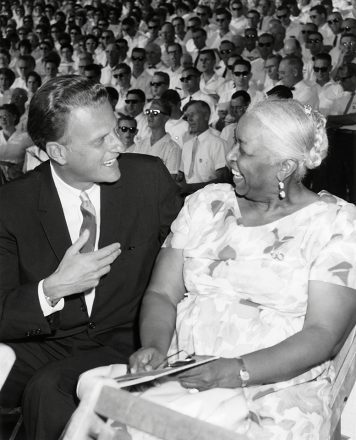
[{"x": 247, "y": 289}]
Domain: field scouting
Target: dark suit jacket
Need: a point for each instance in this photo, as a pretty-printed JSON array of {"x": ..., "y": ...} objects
[{"x": 136, "y": 211}]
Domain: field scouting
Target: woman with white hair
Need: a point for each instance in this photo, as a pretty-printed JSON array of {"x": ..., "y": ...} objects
[{"x": 261, "y": 274}]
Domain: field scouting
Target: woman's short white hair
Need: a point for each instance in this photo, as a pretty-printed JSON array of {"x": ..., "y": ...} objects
[{"x": 297, "y": 132}]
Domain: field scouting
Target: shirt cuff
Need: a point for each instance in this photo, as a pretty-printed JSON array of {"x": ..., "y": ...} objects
[{"x": 46, "y": 308}]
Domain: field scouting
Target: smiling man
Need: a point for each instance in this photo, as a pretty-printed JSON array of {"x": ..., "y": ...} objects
[{"x": 78, "y": 239}]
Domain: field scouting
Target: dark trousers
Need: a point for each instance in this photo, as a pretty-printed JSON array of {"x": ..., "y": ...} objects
[{"x": 44, "y": 378}]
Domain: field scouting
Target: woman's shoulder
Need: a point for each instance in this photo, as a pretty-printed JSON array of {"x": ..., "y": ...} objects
[{"x": 213, "y": 191}]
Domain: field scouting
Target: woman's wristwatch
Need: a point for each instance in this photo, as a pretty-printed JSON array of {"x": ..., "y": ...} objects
[{"x": 243, "y": 373}]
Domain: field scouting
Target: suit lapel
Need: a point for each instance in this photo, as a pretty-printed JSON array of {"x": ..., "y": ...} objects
[
  {"x": 111, "y": 201},
  {"x": 51, "y": 214}
]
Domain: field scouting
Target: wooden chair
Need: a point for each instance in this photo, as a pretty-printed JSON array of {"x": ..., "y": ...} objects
[
  {"x": 345, "y": 368},
  {"x": 108, "y": 401}
]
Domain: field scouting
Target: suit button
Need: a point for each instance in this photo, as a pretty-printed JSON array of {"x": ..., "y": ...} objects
[
  {"x": 91, "y": 325},
  {"x": 50, "y": 320}
]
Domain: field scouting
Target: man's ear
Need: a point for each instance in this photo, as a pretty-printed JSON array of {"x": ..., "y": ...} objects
[
  {"x": 57, "y": 152},
  {"x": 287, "y": 168}
]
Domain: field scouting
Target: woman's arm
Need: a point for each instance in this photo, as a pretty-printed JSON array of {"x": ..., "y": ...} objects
[
  {"x": 159, "y": 309},
  {"x": 331, "y": 314}
]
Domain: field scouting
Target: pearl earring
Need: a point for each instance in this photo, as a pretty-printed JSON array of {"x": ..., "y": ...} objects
[{"x": 282, "y": 193}]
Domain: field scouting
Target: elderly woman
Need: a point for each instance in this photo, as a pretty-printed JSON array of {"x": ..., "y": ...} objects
[{"x": 262, "y": 275}]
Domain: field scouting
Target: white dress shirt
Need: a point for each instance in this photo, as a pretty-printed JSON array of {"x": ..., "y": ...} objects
[{"x": 70, "y": 201}]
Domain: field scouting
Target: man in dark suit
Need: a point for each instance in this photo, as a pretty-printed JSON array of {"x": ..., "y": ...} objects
[{"x": 78, "y": 239}]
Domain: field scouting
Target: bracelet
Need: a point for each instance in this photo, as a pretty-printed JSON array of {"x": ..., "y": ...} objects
[{"x": 243, "y": 373}]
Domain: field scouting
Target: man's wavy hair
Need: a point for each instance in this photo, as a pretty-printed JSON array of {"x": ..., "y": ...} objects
[{"x": 52, "y": 103}]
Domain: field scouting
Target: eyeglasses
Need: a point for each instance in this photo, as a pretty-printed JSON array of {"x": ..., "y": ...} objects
[
  {"x": 119, "y": 75},
  {"x": 250, "y": 37},
  {"x": 313, "y": 41},
  {"x": 132, "y": 101},
  {"x": 244, "y": 73},
  {"x": 282, "y": 16},
  {"x": 187, "y": 78},
  {"x": 335, "y": 20},
  {"x": 154, "y": 112},
  {"x": 124, "y": 129},
  {"x": 348, "y": 43},
  {"x": 226, "y": 51},
  {"x": 320, "y": 69},
  {"x": 307, "y": 32},
  {"x": 346, "y": 29},
  {"x": 157, "y": 84},
  {"x": 44, "y": 47},
  {"x": 264, "y": 44},
  {"x": 220, "y": 20},
  {"x": 137, "y": 58}
]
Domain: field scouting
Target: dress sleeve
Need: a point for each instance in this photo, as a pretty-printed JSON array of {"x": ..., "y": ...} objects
[
  {"x": 179, "y": 235},
  {"x": 336, "y": 261}
]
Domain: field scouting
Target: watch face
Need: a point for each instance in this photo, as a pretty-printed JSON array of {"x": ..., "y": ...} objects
[{"x": 244, "y": 375}]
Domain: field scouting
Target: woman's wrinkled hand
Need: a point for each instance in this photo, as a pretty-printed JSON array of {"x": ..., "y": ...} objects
[
  {"x": 221, "y": 373},
  {"x": 146, "y": 359}
]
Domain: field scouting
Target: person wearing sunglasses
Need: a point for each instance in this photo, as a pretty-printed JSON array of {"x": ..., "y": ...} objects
[
  {"x": 290, "y": 73},
  {"x": 346, "y": 53},
  {"x": 133, "y": 36},
  {"x": 190, "y": 81},
  {"x": 134, "y": 104},
  {"x": 160, "y": 143},
  {"x": 226, "y": 49},
  {"x": 176, "y": 126},
  {"x": 265, "y": 46},
  {"x": 238, "y": 20},
  {"x": 306, "y": 30},
  {"x": 314, "y": 46},
  {"x": 159, "y": 84},
  {"x": 121, "y": 80},
  {"x": 328, "y": 89},
  {"x": 335, "y": 22},
  {"x": 250, "y": 52},
  {"x": 318, "y": 15},
  {"x": 224, "y": 32},
  {"x": 175, "y": 68},
  {"x": 127, "y": 130},
  {"x": 140, "y": 78}
]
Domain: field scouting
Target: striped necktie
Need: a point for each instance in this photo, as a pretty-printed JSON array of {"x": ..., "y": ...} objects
[{"x": 89, "y": 221}]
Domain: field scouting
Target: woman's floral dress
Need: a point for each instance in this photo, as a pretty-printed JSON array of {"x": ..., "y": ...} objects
[{"x": 247, "y": 289}]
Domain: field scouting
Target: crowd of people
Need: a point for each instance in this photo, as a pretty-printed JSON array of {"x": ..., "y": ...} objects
[
  {"x": 180, "y": 51},
  {"x": 100, "y": 264}
]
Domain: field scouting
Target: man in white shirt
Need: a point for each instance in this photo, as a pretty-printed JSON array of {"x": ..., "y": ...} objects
[
  {"x": 203, "y": 156},
  {"x": 318, "y": 15},
  {"x": 210, "y": 82},
  {"x": 140, "y": 78},
  {"x": 160, "y": 143},
  {"x": 78, "y": 239},
  {"x": 291, "y": 75}
]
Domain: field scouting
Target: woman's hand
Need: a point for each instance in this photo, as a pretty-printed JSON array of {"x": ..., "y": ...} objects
[
  {"x": 222, "y": 373},
  {"x": 146, "y": 359}
]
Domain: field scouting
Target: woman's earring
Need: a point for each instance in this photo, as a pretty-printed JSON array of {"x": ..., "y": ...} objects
[{"x": 282, "y": 193}]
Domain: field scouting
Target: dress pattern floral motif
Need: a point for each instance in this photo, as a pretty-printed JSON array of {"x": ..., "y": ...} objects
[{"x": 247, "y": 289}]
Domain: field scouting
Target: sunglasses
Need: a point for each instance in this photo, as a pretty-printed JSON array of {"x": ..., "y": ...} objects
[
  {"x": 282, "y": 16},
  {"x": 187, "y": 78},
  {"x": 124, "y": 129},
  {"x": 335, "y": 20},
  {"x": 225, "y": 52},
  {"x": 201, "y": 14},
  {"x": 119, "y": 75},
  {"x": 320, "y": 69},
  {"x": 157, "y": 84},
  {"x": 132, "y": 101},
  {"x": 244, "y": 73},
  {"x": 220, "y": 20},
  {"x": 137, "y": 58},
  {"x": 264, "y": 44},
  {"x": 313, "y": 41},
  {"x": 154, "y": 112},
  {"x": 152, "y": 27},
  {"x": 230, "y": 66},
  {"x": 307, "y": 32}
]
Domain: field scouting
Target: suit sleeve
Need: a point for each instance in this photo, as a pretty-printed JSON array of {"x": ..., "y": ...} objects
[{"x": 169, "y": 199}]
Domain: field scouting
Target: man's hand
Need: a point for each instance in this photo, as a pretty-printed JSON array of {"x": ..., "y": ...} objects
[
  {"x": 146, "y": 359},
  {"x": 222, "y": 373},
  {"x": 79, "y": 272}
]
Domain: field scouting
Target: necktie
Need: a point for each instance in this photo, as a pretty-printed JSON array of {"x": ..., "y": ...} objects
[
  {"x": 335, "y": 41},
  {"x": 349, "y": 102},
  {"x": 89, "y": 221},
  {"x": 194, "y": 153}
]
